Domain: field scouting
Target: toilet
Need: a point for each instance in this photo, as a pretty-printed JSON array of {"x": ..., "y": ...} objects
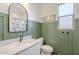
[{"x": 46, "y": 50}]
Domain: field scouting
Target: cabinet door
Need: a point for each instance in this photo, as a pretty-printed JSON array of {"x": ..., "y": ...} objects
[
  {"x": 64, "y": 42},
  {"x": 34, "y": 50}
]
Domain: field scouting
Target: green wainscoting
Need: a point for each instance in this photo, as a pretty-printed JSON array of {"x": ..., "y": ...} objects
[
  {"x": 33, "y": 29},
  {"x": 49, "y": 32},
  {"x": 76, "y": 37},
  {"x": 1, "y": 28},
  {"x": 64, "y": 42}
]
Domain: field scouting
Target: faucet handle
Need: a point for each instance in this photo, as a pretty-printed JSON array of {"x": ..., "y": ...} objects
[{"x": 21, "y": 38}]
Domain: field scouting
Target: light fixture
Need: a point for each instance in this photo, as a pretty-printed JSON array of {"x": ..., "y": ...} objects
[{"x": 48, "y": 17}]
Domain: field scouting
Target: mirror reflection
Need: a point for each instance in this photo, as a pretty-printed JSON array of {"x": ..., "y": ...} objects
[{"x": 17, "y": 18}]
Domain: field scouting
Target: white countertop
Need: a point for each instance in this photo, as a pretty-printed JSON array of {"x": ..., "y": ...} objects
[{"x": 16, "y": 47}]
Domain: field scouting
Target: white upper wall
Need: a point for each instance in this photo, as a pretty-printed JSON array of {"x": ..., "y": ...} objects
[
  {"x": 76, "y": 10},
  {"x": 34, "y": 11},
  {"x": 4, "y": 8},
  {"x": 48, "y": 9}
]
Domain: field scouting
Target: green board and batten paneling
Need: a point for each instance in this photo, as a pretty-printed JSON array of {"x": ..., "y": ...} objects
[
  {"x": 76, "y": 37},
  {"x": 1, "y": 28},
  {"x": 33, "y": 29},
  {"x": 49, "y": 32},
  {"x": 64, "y": 42}
]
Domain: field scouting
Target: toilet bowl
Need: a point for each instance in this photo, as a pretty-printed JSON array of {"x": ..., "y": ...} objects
[{"x": 46, "y": 50}]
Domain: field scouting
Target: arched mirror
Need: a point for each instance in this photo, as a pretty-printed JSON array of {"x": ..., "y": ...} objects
[{"x": 18, "y": 18}]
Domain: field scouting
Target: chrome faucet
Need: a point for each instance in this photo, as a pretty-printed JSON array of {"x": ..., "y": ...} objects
[{"x": 21, "y": 38}]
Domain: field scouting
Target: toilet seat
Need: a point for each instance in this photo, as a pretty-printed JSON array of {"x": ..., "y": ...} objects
[{"x": 47, "y": 48}]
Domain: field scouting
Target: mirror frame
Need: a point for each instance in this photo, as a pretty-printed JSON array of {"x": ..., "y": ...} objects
[{"x": 9, "y": 17}]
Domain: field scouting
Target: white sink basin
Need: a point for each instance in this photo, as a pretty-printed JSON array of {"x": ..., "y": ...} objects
[{"x": 23, "y": 43}]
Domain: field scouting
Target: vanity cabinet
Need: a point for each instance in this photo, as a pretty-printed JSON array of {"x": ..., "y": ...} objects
[{"x": 33, "y": 50}]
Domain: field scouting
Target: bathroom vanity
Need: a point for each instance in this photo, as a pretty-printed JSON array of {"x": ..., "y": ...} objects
[
  {"x": 33, "y": 50},
  {"x": 26, "y": 47}
]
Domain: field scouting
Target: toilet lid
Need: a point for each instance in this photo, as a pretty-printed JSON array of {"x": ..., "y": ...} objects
[{"x": 47, "y": 48}]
